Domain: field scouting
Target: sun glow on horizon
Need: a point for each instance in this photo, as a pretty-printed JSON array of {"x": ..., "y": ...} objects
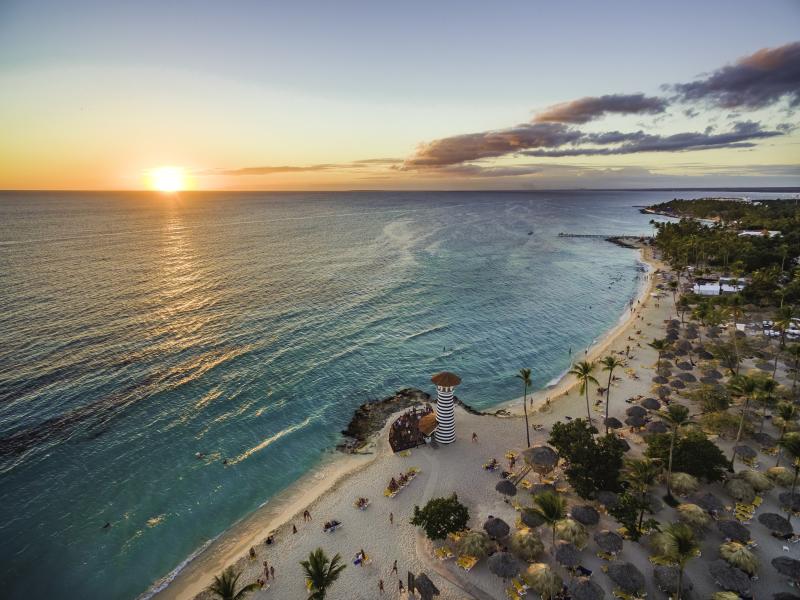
[{"x": 167, "y": 180}]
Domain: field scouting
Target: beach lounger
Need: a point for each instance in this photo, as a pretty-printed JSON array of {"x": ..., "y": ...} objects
[
  {"x": 466, "y": 562},
  {"x": 583, "y": 571},
  {"x": 332, "y": 528},
  {"x": 443, "y": 553},
  {"x": 525, "y": 484}
]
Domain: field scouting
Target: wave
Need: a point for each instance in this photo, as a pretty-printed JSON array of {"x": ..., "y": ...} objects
[
  {"x": 162, "y": 583},
  {"x": 273, "y": 438},
  {"x": 427, "y": 331}
]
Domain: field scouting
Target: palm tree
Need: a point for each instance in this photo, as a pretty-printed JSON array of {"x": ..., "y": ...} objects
[
  {"x": 641, "y": 474},
  {"x": 782, "y": 320},
  {"x": 677, "y": 416},
  {"x": 224, "y": 586},
  {"x": 794, "y": 353},
  {"x": 551, "y": 508},
  {"x": 735, "y": 311},
  {"x": 767, "y": 397},
  {"x": 791, "y": 443},
  {"x": 683, "y": 306},
  {"x": 321, "y": 573},
  {"x": 610, "y": 363},
  {"x": 673, "y": 287},
  {"x": 525, "y": 375},
  {"x": 659, "y": 346},
  {"x": 583, "y": 371},
  {"x": 748, "y": 387},
  {"x": 787, "y": 412},
  {"x": 678, "y": 545}
]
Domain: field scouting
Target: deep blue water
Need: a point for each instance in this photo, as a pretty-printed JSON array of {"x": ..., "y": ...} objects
[{"x": 137, "y": 330}]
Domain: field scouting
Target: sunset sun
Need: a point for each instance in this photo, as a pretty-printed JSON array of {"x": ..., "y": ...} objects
[{"x": 167, "y": 179}]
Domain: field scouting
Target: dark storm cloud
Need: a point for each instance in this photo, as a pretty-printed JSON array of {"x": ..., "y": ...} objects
[
  {"x": 755, "y": 81},
  {"x": 490, "y": 144},
  {"x": 590, "y": 108},
  {"x": 616, "y": 142}
]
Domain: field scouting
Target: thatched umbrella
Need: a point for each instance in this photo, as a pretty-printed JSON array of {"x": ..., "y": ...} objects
[
  {"x": 740, "y": 490},
  {"x": 425, "y": 587},
  {"x": 567, "y": 554},
  {"x": 526, "y": 544},
  {"x": 660, "y": 379},
  {"x": 541, "y": 488},
  {"x": 745, "y": 452},
  {"x": 693, "y": 515},
  {"x": 683, "y": 483},
  {"x": 708, "y": 380},
  {"x": 666, "y": 579},
  {"x": 713, "y": 332},
  {"x": 505, "y": 487},
  {"x": 656, "y": 427},
  {"x": 762, "y": 365},
  {"x": 585, "y": 589},
  {"x": 650, "y": 404},
  {"x": 504, "y": 564},
  {"x": 684, "y": 346},
  {"x": 677, "y": 384},
  {"x": 685, "y": 366},
  {"x": 573, "y": 532},
  {"x": 757, "y": 480},
  {"x": 636, "y": 411},
  {"x": 608, "y": 541},
  {"x": 664, "y": 371},
  {"x": 776, "y": 523},
  {"x": 608, "y": 499},
  {"x": 713, "y": 374},
  {"x": 783, "y": 596},
  {"x": 781, "y": 476},
  {"x": 635, "y": 421},
  {"x": 531, "y": 518},
  {"x": 613, "y": 423},
  {"x": 705, "y": 354},
  {"x": 733, "y": 530},
  {"x": 474, "y": 543},
  {"x": 730, "y": 578},
  {"x": 687, "y": 377},
  {"x": 627, "y": 577},
  {"x": 672, "y": 335},
  {"x": 710, "y": 502},
  {"x": 765, "y": 440},
  {"x": 623, "y": 443},
  {"x": 662, "y": 392},
  {"x": 541, "y": 459},
  {"x": 739, "y": 556},
  {"x": 787, "y": 500},
  {"x": 585, "y": 514},
  {"x": 496, "y": 528},
  {"x": 789, "y": 567},
  {"x": 543, "y": 580}
]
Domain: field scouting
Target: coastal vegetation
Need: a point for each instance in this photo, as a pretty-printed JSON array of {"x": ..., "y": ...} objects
[
  {"x": 441, "y": 516},
  {"x": 224, "y": 585},
  {"x": 321, "y": 573}
]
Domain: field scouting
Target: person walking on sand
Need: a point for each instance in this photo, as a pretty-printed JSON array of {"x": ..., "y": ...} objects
[
  {"x": 272, "y": 571},
  {"x": 400, "y": 587},
  {"x": 266, "y": 571},
  {"x": 394, "y": 568},
  {"x": 294, "y": 528},
  {"x": 380, "y": 586},
  {"x": 391, "y": 518},
  {"x": 306, "y": 515},
  {"x": 474, "y": 437}
]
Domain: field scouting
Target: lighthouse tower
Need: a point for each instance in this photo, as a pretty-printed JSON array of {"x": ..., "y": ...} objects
[{"x": 445, "y": 415}]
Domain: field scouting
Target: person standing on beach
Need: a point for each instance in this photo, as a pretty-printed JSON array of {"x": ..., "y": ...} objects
[
  {"x": 380, "y": 586},
  {"x": 474, "y": 437},
  {"x": 391, "y": 518},
  {"x": 266, "y": 571},
  {"x": 294, "y": 528},
  {"x": 400, "y": 587},
  {"x": 272, "y": 571},
  {"x": 394, "y": 568}
]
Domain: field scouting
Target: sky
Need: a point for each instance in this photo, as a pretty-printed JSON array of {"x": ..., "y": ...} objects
[{"x": 259, "y": 95}]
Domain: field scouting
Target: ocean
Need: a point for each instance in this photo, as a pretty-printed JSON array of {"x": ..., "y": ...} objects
[{"x": 137, "y": 330}]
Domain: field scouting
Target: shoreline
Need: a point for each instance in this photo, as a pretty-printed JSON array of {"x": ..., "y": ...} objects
[
  {"x": 193, "y": 575},
  {"x": 565, "y": 383}
]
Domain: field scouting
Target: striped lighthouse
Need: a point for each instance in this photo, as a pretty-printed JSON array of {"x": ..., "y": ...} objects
[{"x": 445, "y": 415}]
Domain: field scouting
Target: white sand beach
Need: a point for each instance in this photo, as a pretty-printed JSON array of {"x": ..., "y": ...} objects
[{"x": 455, "y": 468}]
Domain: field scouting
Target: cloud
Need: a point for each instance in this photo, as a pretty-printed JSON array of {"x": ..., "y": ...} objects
[
  {"x": 590, "y": 108},
  {"x": 617, "y": 142},
  {"x": 277, "y": 169},
  {"x": 489, "y": 144},
  {"x": 755, "y": 81}
]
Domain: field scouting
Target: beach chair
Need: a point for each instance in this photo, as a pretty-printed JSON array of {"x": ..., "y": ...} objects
[
  {"x": 333, "y": 527},
  {"x": 605, "y": 555},
  {"x": 405, "y": 453},
  {"x": 443, "y": 553},
  {"x": 510, "y": 454},
  {"x": 466, "y": 562},
  {"x": 525, "y": 484}
]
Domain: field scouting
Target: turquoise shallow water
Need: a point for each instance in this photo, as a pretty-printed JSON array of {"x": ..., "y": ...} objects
[{"x": 137, "y": 330}]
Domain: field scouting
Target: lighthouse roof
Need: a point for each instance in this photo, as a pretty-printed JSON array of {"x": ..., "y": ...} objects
[{"x": 446, "y": 379}]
